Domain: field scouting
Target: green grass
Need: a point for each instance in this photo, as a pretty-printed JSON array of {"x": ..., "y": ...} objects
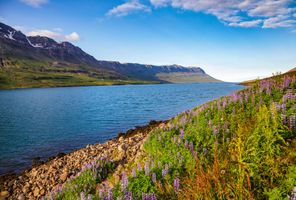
[
  {"x": 29, "y": 74},
  {"x": 241, "y": 146}
]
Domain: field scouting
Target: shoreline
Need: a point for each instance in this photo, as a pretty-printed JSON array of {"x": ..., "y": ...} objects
[
  {"x": 57, "y": 169},
  {"x": 116, "y": 84},
  {"x": 67, "y": 86}
]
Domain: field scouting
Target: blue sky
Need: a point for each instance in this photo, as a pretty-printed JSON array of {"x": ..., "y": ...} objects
[{"x": 232, "y": 40}]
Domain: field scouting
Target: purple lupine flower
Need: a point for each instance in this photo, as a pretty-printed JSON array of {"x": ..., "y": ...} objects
[
  {"x": 128, "y": 195},
  {"x": 283, "y": 107},
  {"x": 150, "y": 196},
  {"x": 284, "y": 119},
  {"x": 139, "y": 167},
  {"x": 147, "y": 170},
  {"x": 144, "y": 196},
  {"x": 82, "y": 196},
  {"x": 292, "y": 122},
  {"x": 183, "y": 119},
  {"x": 287, "y": 82},
  {"x": 176, "y": 184},
  {"x": 134, "y": 173},
  {"x": 224, "y": 103},
  {"x": 191, "y": 146},
  {"x": 124, "y": 181},
  {"x": 154, "y": 178},
  {"x": 89, "y": 197},
  {"x": 292, "y": 196},
  {"x": 182, "y": 133},
  {"x": 165, "y": 171},
  {"x": 110, "y": 194}
]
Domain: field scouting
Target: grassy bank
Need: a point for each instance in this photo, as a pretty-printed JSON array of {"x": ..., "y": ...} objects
[{"x": 241, "y": 146}]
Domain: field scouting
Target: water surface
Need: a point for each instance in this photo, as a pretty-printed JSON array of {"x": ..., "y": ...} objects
[{"x": 45, "y": 121}]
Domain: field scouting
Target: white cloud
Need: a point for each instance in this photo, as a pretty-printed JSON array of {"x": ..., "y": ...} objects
[
  {"x": 72, "y": 37},
  {"x": 247, "y": 24},
  {"x": 56, "y": 35},
  {"x": 46, "y": 33},
  {"x": 34, "y": 3},
  {"x": 159, "y": 3},
  {"x": 276, "y": 22},
  {"x": 243, "y": 13},
  {"x": 127, "y": 8}
]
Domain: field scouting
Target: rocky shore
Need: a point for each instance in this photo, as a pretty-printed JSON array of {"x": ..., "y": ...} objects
[{"x": 40, "y": 180}]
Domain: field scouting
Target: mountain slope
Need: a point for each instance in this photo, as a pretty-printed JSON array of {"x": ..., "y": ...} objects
[{"x": 37, "y": 61}]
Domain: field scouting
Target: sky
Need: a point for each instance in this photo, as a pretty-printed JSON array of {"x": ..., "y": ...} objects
[{"x": 232, "y": 40}]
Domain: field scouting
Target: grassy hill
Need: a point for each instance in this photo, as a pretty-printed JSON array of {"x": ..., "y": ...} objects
[
  {"x": 241, "y": 146},
  {"x": 179, "y": 77},
  {"x": 252, "y": 82},
  {"x": 24, "y": 73}
]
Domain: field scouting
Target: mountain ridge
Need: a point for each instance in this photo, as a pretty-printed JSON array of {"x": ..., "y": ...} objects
[{"x": 47, "y": 55}]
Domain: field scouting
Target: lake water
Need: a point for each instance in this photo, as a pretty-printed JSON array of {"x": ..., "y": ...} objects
[{"x": 43, "y": 122}]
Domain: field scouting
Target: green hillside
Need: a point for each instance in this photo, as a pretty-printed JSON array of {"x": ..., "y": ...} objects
[
  {"x": 179, "y": 77},
  {"x": 24, "y": 73}
]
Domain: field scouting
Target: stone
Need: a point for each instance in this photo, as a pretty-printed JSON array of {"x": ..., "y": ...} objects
[
  {"x": 25, "y": 189},
  {"x": 120, "y": 139},
  {"x": 36, "y": 192},
  {"x": 64, "y": 176},
  {"x": 21, "y": 197},
  {"x": 121, "y": 147},
  {"x": 34, "y": 172},
  {"x": 42, "y": 192},
  {"x": 4, "y": 194}
]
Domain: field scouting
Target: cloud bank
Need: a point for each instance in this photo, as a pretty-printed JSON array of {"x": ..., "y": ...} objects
[
  {"x": 242, "y": 13},
  {"x": 238, "y": 13}
]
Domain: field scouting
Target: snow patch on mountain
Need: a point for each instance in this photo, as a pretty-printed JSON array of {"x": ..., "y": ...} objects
[{"x": 10, "y": 35}]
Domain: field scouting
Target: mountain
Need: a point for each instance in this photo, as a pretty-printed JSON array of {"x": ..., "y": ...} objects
[{"x": 37, "y": 61}]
